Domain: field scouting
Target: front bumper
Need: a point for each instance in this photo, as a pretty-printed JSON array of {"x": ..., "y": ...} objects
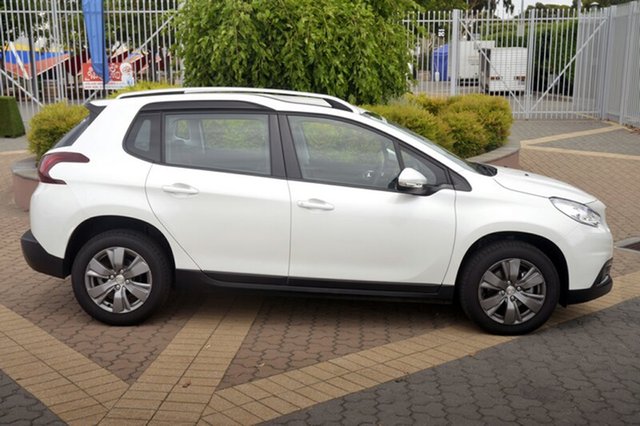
[
  {"x": 39, "y": 260},
  {"x": 601, "y": 286}
]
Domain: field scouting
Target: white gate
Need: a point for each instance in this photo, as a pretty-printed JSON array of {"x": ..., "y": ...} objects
[
  {"x": 547, "y": 63},
  {"x": 44, "y": 47}
]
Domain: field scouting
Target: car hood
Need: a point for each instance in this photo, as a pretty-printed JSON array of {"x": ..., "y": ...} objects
[{"x": 531, "y": 183}]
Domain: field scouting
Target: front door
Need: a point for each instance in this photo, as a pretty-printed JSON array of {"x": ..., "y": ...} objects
[{"x": 349, "y": 222}]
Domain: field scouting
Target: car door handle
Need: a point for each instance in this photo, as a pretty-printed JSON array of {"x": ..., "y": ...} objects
[
  {"x": 315, "y": 204},
  {"x": 180, "y": 189}
]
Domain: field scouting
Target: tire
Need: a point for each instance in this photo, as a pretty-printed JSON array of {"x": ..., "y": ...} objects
[
  {"x": 491, "y": 299},
  {"x": 129, "y": 272}
]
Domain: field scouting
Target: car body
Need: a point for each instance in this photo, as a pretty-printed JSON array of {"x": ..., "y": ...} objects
[{"x": 278, "y": 190}]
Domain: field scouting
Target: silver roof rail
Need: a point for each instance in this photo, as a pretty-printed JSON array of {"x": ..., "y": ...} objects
[{"x": 334, "y": 102}]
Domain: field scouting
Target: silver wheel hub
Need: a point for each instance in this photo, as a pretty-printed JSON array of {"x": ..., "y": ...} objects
[
  {"x": 118, "y": 280},
  {"x": 512, "y": 291}
]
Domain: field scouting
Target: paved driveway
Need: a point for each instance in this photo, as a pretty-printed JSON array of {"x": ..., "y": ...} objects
[{"x": 220, "y": 358}]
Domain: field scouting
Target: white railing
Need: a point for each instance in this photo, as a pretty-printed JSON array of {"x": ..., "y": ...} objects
[
  {"x": 561, "y": 63},
  {"x": 44, "y": 46},
  {"x": 548, "y": 64}
]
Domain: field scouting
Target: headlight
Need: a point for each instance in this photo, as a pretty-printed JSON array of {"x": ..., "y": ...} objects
[{"x": 576, "y": 211}]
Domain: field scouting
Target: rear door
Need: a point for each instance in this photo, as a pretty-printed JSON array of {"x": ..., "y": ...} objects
[{"x": 220, "y": 189}]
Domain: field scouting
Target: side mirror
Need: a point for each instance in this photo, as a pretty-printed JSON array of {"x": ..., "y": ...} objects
[{"x": 412, "y": 181}]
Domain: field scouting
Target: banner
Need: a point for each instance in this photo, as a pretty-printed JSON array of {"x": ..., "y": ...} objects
[
  {"x": 93, "y": 11},
  {"x": 120, "y": 76}
]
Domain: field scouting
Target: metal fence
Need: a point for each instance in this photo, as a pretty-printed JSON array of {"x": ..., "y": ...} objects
[
  {"x": 44, "y": 47},
  {"x": 548, "y": 64},
  {"x": 561, "y": 63}
]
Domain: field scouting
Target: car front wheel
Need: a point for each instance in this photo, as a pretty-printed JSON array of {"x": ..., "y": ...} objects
[
  {"x": 509, "y": 287},
  {"x": 121, "y": 277}
]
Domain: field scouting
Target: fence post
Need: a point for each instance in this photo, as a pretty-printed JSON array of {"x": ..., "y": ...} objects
[
  {"x": 626, "y": 68},
  {"x": 453, "y": 51},
  {"x": 57, "y": 42},
  {"x": 531, "y": 45}
]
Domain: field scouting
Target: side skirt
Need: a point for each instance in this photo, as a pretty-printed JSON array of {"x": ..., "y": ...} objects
[{"x": 307, "y": 286}]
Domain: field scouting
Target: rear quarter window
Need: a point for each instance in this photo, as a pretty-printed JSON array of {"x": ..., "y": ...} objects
[
  {"x": 142, "y": 139},
  {"x": 72, "y": 135}
]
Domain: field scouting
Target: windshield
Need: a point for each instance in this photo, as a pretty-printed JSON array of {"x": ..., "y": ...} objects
[{"x": 424, "y": 141}]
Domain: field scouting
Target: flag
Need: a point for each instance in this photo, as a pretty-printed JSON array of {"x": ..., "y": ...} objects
[{"x": 93, "y": 11}]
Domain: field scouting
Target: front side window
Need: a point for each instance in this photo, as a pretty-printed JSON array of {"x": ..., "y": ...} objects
[
  {"x": 435, "y": 174},
  {"x": 218, "y": 141},
  {"x": 333, "y": 151}
]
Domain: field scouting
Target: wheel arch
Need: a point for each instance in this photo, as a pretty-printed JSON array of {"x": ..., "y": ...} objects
[
  {"x": 548, "y": 247},
  {"x": 96, "y": 225}
]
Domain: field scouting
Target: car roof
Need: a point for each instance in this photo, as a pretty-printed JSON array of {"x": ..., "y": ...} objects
[{"x": 283, "y": 96}]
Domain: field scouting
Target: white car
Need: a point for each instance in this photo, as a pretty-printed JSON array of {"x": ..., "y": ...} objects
[{"x": 279, "y": 190}]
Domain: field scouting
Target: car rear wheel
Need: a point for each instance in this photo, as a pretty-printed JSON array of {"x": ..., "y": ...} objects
[
  {"x": 509, "y": 287},
  {"x": 121, "y": 277}
]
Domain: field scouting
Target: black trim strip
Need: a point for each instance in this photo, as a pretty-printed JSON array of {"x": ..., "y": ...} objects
[
  {"x": 322, "y": 286},
  {"x": 290, "y": 158},
  {"x": 277, "y": 157},
  {"x": 39, "y": 260},
  {"x": 601, "y": 286}
]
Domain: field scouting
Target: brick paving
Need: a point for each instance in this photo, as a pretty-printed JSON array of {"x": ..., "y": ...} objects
[
  {"x": 18, "y": 406},
  {"x": 49, "y": 302},
  {"x": 585, "y": 371},
  {"x": 13, "y": 144},
  {"x": 293, "y": 333},
  {"x": 621, "y": 141},
  {"x": 532, "y": 129},
  {"x": 241, "y": 359}
]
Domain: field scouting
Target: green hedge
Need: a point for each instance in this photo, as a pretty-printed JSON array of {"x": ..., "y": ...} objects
[
  {"x": 467, "y": 125},
  {"x": 417, "y": 119},
  {"x": 52, "y": 123},
  {"x": 432, "y": 104},
  {"x": 11, "y": 125},
  {"x": 494, "y": 114},
  {"x": 469, "y": 137}
]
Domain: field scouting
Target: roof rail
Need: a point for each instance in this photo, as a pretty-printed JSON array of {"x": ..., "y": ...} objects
[{"x": 334, "y": 102}]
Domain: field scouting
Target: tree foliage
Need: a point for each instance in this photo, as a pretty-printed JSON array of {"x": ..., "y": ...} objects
[
  {"x": 340, "y": 47},
  {"x": 442, "y": 4}
]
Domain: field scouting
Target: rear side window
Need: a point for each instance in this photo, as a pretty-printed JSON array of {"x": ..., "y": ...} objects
[
  {"x": 234, "y": 142},
  {"x": 142, "y": 141}
]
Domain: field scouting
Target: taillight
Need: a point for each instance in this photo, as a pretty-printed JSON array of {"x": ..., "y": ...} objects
[{"x": 48, "y": 161}]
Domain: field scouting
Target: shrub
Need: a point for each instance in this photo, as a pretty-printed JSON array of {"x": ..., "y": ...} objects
[
  {"x": 339, "y": 47},
  {"x": 51, "y": 123},
  {"x": 493, "y": 112},
  {"x": 11, "y": 125},
  {"x": 467, "y": 125},
  {"x": 466, "y": 131},
  {"x": 432, "y": 104},
  {"x": 415, "y": 119},
  {"x": 143, "y": 85}
]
